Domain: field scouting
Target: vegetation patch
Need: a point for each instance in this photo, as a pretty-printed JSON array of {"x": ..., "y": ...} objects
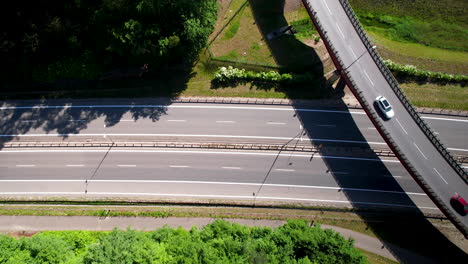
[
  {"x": 411, "y": 71},
  {"x": 219, "y": 242},
  {"x": 40, "y": 39}
]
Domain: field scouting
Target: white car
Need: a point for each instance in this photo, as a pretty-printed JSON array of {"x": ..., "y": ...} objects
[{"x": 385, "y": 107}]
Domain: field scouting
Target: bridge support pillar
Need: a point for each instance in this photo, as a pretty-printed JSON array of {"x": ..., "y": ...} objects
[{"x": 341, "y": 84}]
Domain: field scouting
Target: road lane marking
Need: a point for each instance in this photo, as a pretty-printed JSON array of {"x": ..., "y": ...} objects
[
  {"x": 284, "y": 170},
  {"x": 368, "y": 77},
  {"x": 276, "y": 123},
  {"x": 229, "y": 183},
  {"x": 231, "y": 168},
  {"x": 25, "y": 165},
  {"x": 373, "y": 128},
  {"x": 175, "y": 120},
  {"x": 457, "y": 149},
  {"x": 393, "y": 176},
  {"x": 178, "y": 166},
  {"x": 197, "y": 152},
  {"x": 352, "y": 52},
  {"x": 440, "y": 176},
  {"x": 328, "y": 8},
  {"x": 419, "y": 150},
  {"x": 339, "y": 29},
  {"x": 126, "y": 165},
  {"x": 127, "y": 120},
  {"x": 437, "y": 133},
  {"x": 75, "y": 165},
  {"x": 225, "y": 121},
  {"x": 338, "y": 172},
  {"x": 446, "y": 119},
  {"x": 401, "y": 126}
]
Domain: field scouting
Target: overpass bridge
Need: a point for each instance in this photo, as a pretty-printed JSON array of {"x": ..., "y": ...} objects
[{"x": 407, "y": 134}]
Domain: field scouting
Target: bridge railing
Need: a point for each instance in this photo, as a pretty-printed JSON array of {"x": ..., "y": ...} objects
[
  {"x": 374, "y": 116},
  {"x": 400, "y": 94}
]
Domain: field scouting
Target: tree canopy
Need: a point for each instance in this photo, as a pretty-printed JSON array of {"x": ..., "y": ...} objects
[
  {"x": 219, "y": 242},
  {"x": 109, "y": 33}
]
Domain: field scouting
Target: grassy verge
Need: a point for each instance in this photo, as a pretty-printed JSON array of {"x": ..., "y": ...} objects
[
  {"x": 402, "y": 229},
  {"x": 376, "y": 259},
  {"x": 437, "y": 96}
]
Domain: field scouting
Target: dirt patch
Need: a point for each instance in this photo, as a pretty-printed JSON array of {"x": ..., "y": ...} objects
[{"x": 292, "y": 5}]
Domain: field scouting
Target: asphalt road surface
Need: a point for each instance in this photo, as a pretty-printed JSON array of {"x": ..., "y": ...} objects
[
  {"x": 206, "y": 174},
  {"x": 116, "y": 120},
  {"x": 419, "y": 150}
]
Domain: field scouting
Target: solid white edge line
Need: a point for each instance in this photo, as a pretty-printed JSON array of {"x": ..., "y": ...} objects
[
  {"x": 194, "y": 152},
  {"x": 339, "y": 189},
  {"x": 440, "y": 176},
  {"x": 457, "y": 149},
  {"x": 445, "y": 119}
]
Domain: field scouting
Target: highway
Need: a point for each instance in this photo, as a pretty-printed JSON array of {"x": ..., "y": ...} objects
[
  {"x": 205, "y": 122},
  {"x": 422, "y": 156},
  {"x": 188, "y": 174}
]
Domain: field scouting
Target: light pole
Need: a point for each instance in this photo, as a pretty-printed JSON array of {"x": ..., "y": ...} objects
[{"x": 373, "y": 47}]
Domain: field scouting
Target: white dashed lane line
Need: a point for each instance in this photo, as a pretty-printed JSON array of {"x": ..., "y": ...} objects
[
  {"x": 231, "y": 168},
  {"x": 126, "y": 165},
  {"x": 227, "y": 121},
  {"x": 284, "y": 170},
  {"x": 440, "y": 176},
  {"x": 75, "y": 165},
  {"x": 419, "y": 150},
  {"x": 276, "y": 123},
  {"x": 178, "y": 166},
  {"x": 25, "y": 165}
]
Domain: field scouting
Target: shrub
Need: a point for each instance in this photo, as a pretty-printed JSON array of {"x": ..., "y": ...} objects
[
  {"x": 412, "y": 71},
  {"x": 230, "y": 74}
]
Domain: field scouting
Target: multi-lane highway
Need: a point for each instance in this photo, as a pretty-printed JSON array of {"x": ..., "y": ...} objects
[
  {"x": 290, "y": 177},
  {"x": 421, "y": 156}
]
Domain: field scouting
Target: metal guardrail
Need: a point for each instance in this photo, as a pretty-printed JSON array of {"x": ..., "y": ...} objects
[
  {"x": 376, "y": 120},
  {"x": 400, "y": 94}
]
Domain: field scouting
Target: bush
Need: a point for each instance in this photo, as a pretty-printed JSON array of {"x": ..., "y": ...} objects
[
  {"x": 230, "y": 74},
  {"x": 219, "y": 242},
  {"x": 412, "y": 72}
]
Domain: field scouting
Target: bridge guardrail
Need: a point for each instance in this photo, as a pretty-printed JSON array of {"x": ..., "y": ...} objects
[
  {"x": 400, "y": 94},
  {"x": 376, "y": 120}
]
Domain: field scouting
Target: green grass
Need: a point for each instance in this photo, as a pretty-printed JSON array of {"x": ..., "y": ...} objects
[
  {"x": 376, "y": 259},
  {"x": 430, "y": 34},
  {"x": 437, "y": 34},
  {"x": 437, "y": 96}
]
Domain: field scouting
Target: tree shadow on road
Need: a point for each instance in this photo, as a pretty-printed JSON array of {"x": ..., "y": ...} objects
[
  {"x": 67, "y": 118},
  {"x": 402, "y": 223}
]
